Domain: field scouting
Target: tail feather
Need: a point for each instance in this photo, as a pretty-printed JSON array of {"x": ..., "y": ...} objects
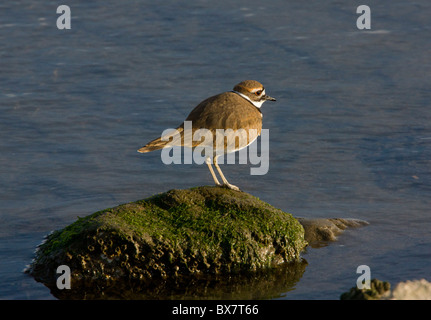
[
  {"x": 170, "y": 138},
  {"x": 153, "y": 145}
]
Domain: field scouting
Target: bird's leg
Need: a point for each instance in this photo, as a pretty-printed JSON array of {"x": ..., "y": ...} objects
[
  {"x": 225, "y": 182},
  {"x": 208, "y": 162}
]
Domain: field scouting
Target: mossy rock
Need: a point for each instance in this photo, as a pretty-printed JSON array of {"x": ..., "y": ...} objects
[
  {"x": 204, "y": 230},
  {"x": 378, "y": 290}
]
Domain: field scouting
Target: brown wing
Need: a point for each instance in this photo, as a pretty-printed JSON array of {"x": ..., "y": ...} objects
[
  {"x": 228, "y": 111},
  {"x": 224, "y": 111}
]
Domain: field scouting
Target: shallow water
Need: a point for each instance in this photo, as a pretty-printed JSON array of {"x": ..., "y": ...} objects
[{"x": 350, "y": 133}]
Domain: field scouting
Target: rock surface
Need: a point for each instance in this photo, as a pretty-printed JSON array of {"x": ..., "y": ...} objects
[
  {"x": 378, "y": 290},
  {"x": 204, "y": 230},
  {"x": 320, "y": 231},
  {"x": 205, "y": 242},
  {"x": 381, "y": 290}
]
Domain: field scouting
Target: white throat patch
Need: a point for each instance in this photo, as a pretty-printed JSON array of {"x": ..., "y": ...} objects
[{"x": 257, "y": 104}]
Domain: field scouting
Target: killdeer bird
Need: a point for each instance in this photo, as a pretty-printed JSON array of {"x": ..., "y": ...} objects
[{"x": 236, "y": 112}]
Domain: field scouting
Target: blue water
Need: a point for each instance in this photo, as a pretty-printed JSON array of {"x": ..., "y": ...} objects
[{"x": 350, "y": 133}]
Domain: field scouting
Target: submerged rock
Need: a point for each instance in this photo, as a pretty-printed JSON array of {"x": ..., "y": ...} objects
[
  {"x": 378, "y": 290},
  {"x": 381, "y": 290},
  {"x": 320, "y": 231},
  {"x": 204, "y": 230}
]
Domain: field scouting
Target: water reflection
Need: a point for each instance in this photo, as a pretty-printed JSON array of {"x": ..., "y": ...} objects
[{"x": 263, "y": 284}]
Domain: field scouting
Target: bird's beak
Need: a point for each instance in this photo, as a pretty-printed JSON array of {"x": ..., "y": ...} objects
[{"x": 266, "y": 97}]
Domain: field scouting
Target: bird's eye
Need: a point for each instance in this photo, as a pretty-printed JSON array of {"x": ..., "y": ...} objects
[{"x": 258, "y": 92}]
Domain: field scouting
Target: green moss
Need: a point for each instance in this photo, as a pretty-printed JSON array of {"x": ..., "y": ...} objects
[
  {"x": 64, "y": 238},
  {"x": 204, "y": 229},
  {"x": 377, "y": 290}
]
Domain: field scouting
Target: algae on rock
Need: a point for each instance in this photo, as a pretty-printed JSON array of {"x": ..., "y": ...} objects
[
  {"x": 203, "y": 230},
  {"x": 378, "y": 290}
]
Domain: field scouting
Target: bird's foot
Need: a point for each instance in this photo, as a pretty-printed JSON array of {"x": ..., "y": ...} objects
[{"x": 231, "y": 186}]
